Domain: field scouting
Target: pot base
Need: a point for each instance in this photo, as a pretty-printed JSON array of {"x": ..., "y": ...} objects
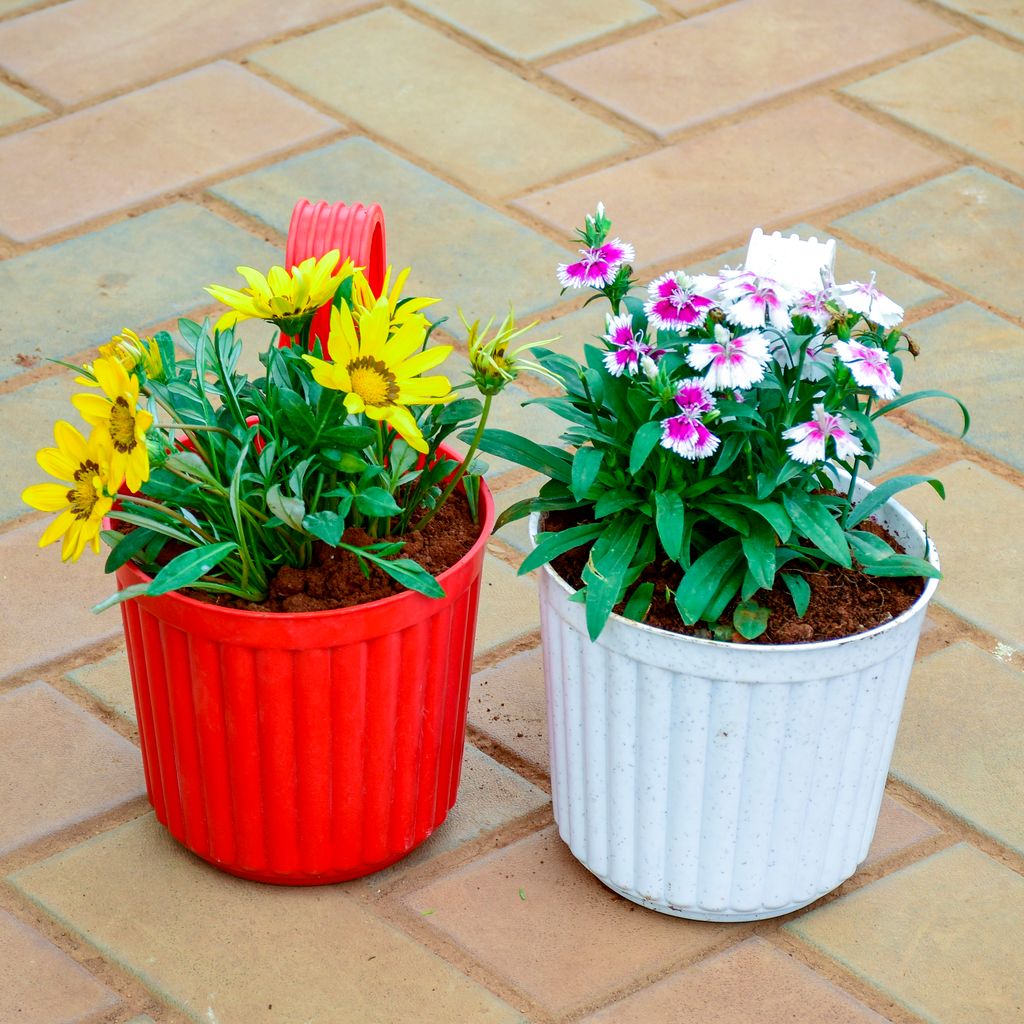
[{"x": 735, "y": 917}]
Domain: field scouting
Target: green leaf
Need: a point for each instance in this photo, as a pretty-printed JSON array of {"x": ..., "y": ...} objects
[
  {"x": 639, "y": 603},
  {"x": 586, "y": 464},
  {"x": 759, "y": 550},
  {"x": 644, "y": 442},
  {"x": 669, "y": 518},
  {"x": 931, "y": 393},
  {"x": 704, "y": 577},
  {"x": 327, "y": 526},
  {"x": 546, "y": 459},
  {"x": 615, "y": 501},
  {"x": 295, "y": 417},
  {"x": 551, "y": 545},
  {"x": 290, "y": 511},
  {"x": 189, "y": 566},
  {"x": 750, "y": 619},
  {"x": 348, "y": 435},
  {"x": 799, "y": 590},
  {"x": 605, "y": 574},
  {"x": 815, "y": 522},
  {"x": 345, "y": 461},
  {"x": 883, "y": 492},
  {"x": 867, "y": 547},
  {"x": 127, "y": 548},
  {"x": 902, "y": 565},
  {"x": 726, "y": 591},
  {"x": 375, "y": 501},
  {"x": 774, "y": 514},
  {"x": 135, "y": 590},
  {"x": 463, "y": 409},
  {"x": 411, "y": 575},
  {"x": 730, "y": 450}
]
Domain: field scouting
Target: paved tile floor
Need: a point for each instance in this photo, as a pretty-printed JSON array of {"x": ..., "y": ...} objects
[{"x": 148, "y": 148}]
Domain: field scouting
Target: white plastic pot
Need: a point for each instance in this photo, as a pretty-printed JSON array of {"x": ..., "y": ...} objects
[{"x": 717, "y": 781}]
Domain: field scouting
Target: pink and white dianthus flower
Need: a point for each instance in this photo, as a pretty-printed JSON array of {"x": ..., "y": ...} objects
[
  {"x": 598, "y": 267},
  {"x": 687, "y": 436},
  {"x": 813, "y": 306},
  {"x": 870, "y": 367},
  {"x": 755, "y": 298},
  {"x": 817, "y": 361},
  {"x": 631, "y": 352},
  {"x": 866, "y": 299},
  {"x": 694, "y": 396},
  {"x": 731, "y": 362},
  {"x": 810, "y": 438},
  {"x": 674, "y": 304}
]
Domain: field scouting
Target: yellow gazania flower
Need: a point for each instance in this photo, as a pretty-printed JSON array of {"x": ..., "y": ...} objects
[
  {"x": 81, "y": 499},
  {"x": 363, "y": 298},
  {"x": 132, "y": 352},
  {"x": 381, "y": 374},
  {"x": 120, "y": 422},
  {"x": 288, "y": 300}
]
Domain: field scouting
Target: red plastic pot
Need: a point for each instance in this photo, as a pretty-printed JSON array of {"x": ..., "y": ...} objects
[
  {"x": 305, "y": 748},
  {"x": 357, "y": 231}
]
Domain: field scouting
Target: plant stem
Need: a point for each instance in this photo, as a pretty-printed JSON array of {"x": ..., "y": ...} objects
[
  {"x": 135, "y": 499},
  {"x": 464, "y": 465}
]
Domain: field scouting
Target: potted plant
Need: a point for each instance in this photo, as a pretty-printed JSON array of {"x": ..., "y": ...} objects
[
  {"x": 729, "y": 613},
  {"x": 298, "y": 555}
]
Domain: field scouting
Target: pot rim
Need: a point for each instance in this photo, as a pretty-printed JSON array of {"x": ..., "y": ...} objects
[
  {"x": 931, "y": 585},
  {"x": 392, "y": 603}
]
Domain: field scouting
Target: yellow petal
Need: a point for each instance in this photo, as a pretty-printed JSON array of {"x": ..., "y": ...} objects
[
  {"x": 406, "y": 340},
  {"x": 354, "y": 404},
  {"x": 46, "y": 497},
  {"x": 342, "y": 342},
  {"x": 424, "y": 361},
  {"x": 402, "y": 420},
  {"x": 70, "y": 441},
  {"x": 57, "y": 528},
  {"x": 374, "y": 326},
  {"x": 93, "y": 408},
  {"x": 56, "y": 463},
  {"x": 256, "y": 281}
]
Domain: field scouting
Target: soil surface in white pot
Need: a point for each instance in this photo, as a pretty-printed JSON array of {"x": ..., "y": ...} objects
[{"x": 843, "y": 602}]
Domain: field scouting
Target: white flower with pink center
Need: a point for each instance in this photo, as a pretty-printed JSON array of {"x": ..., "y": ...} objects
[
  {"x": 870, "y": 367},
  {"x": 598, "y": 267},
  {"x": 693, "y": 396},
  {"x": 755, "y": 299},
  {"x": 866, "y": 299},
  {"x": 813, "y": 306},
  {"x": 687, "y": 436},
  {"x": 631, "y": 352},
  {"x": 730, "y": 362},
  {"x": 810, "y": 438},
  {"x": 674, "y": 304}
]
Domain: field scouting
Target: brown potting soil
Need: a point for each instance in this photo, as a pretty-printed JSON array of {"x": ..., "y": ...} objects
[
  {"x": 843, "y": 601},
  {"x": 335, "y": 579}
]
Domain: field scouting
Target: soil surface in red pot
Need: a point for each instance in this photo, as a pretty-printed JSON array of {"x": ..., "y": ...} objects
[
  {"x": 335, "y": 579},
  {"x": 843, "y": 601}
]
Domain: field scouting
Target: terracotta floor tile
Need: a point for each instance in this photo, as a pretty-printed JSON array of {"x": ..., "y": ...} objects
[
  {"x": 752, "y": 983},
  {"x": 740, "y": 54},
  {"x": 807, "y": 156},
  {"x": 507, "y": 703},
  {"x": 58, "y": 766},
  {"x": 977, "y": 534},
  {"x": 1005, "y": 15},
  {"x": 512, "y": 136},
  {"x": 15, "y": 107},
  {"x": 46, "y": 601},
  {"x": 960, "y": 741},
  {"x": 966, "y": 228},
  {"x": 110, "y": 682},
  {"x": 206, "y": 127},
  {"x": 41, "y": 985},
  {"x": 132, "y": 274},
  {"x": 943, "y": 937},
  {"x": 490, "y": 795},
  {"x": 460, "y": 250},
  {"x": 898, "y": 828},
  {"x": 524, "y": 910},
  {"x": 534, "y": 28},
  {"x": 988, "y": 353},
  {"x": 508, "y": 606},
  {"x": 984, "y": 115},
  {"x": 223, "y": 949},
  {"x": 86, "y": 48}
]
